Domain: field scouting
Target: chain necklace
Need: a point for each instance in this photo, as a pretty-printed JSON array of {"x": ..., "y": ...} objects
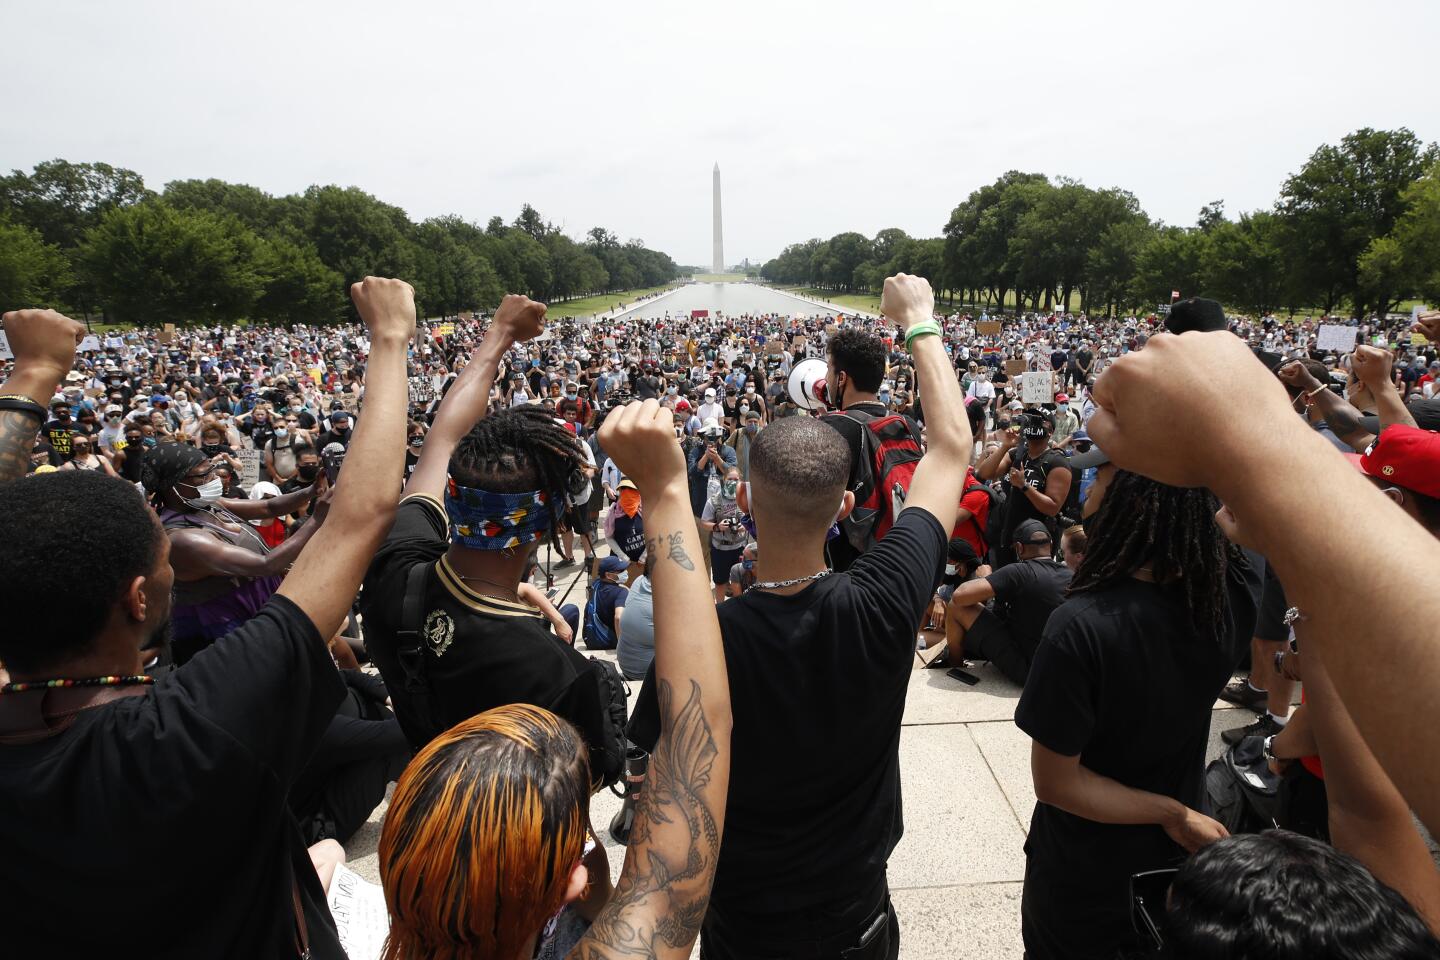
[
  {"x": 86, "y": 682},
  {"x": 514, "y": 594},
  {"x": 793, "y": 581}
]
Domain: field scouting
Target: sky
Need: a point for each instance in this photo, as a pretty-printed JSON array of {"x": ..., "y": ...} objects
[{"x": 823, "y": 117}]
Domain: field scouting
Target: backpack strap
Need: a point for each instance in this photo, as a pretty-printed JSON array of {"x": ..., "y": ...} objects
[{"x": 410, "y": 639}]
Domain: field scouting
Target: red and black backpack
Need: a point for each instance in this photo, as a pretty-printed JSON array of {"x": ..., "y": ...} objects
[{"x": 890, "y": 450}]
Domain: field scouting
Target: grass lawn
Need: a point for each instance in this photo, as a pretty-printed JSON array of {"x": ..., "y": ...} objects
[{"x": 586, "y": 306}]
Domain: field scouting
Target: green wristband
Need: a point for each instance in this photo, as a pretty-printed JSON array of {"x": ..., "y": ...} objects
[{"x": 920, "y": 330}]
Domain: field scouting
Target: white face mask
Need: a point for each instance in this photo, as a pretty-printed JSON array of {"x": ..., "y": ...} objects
[
  {"x": 951, "y": 569},
  {"x": 623, "y": 577},
  {"x": 211, "y": 489}
]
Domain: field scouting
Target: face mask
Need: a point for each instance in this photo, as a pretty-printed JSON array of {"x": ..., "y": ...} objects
[
  {"x": 730, "y": 486},
  {"x": 670, "y": 390},
  {"x": 210, "y": 489},
  {"x": 572, "y": 396},
  {"x": 623, "y": 577},
  {"x": 417, "y": 442},
  {"x": 752, "y": 427},
  {"x": 749, "y": 389},
  {"x": 281, "y": 433},
  {"x": 149, "y": 441},
  {"x": 951, "y": 569}
]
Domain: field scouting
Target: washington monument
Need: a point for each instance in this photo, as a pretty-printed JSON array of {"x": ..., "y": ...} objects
[{"x": 718, "y": 260}]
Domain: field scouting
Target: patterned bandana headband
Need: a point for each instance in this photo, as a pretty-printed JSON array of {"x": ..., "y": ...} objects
[{"x": 481, "y": 520}]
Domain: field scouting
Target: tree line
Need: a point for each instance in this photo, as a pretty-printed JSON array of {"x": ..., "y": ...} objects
[
  {"x": 94, "y": 239},
  {"x": 1357, "y": 228}
]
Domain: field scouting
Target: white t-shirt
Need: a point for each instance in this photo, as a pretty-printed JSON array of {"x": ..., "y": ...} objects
[{"x": 981, "y": 390}]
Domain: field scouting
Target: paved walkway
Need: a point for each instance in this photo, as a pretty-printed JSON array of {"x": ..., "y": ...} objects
[{"x": 965, "y": 770}]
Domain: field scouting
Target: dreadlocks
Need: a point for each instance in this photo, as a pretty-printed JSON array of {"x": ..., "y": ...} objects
[
  {"x": 1173, "y": 531},
  {"x": 520, "y": 449}
]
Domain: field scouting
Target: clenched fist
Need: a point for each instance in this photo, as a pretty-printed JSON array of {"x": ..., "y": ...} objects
[
  {"x": 386, "y": 306},
  {"x": 1428, "y": 323},
  {"x": 43, "y": 342},
  {"x": 907, "y": 300},
  {"x": 519, "y": 318},
  {"x": 640, "y": 438}
]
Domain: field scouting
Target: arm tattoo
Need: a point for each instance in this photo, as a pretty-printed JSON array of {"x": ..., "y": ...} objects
[
  {"x": 675, "y": 548},
  {"x": 17, "y": 440},
  {"x": 664, "y": 889}
]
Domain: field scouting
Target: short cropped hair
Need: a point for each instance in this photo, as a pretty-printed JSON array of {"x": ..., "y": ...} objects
[
  {"x": 861, "y": 355},
  {"x": 71, "y": 542},
  {"x": 804, "y": 465}
]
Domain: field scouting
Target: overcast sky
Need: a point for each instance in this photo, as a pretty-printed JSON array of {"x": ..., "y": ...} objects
[{"x": 823, "y": 116}]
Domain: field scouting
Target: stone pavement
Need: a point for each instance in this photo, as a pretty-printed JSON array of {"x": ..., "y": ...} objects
[{"x": 965, "y": 770}]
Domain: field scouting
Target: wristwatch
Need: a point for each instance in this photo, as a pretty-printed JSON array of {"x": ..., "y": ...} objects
[{"x": 1267, "y": 748}]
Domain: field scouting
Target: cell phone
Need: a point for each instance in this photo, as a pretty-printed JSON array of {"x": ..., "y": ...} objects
[{"x": 969, "y": 679}]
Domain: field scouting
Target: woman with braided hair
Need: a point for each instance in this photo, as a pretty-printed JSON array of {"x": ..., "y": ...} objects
[
  {"x": 1118, "y": 703},
  {"x": 449, "y": 619}
]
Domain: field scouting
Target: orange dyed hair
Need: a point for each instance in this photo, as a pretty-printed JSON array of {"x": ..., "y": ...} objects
[{"x": 484, "y": 828}]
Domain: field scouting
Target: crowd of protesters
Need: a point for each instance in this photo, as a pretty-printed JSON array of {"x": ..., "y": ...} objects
[{"x": 255, "y": 576}]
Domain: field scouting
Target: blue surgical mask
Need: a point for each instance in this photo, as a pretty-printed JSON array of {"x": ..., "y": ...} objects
[{"x": 623, "y": 577}]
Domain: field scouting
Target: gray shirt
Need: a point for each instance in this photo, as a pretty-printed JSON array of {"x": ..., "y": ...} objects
[{"x": 637, "y": 631}]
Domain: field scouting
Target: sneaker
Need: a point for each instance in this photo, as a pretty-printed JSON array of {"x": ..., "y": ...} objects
[
  {"x": 1264, "y": 727},
  {"x": 1238, "y": 691},
  {"x": 567, "y": 562}
]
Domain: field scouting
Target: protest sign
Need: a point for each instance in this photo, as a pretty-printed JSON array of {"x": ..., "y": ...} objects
[
  {"x": 1417, "y": 339},
  {"x": 90, "y": 344},
  {"x": 167, "y": 334},
  {"x": 422, "y": 390},
  {"x": 5, "y": 353},
  {"x": 250, "y": 466},
  {"x": 1337, "y": 337},
  {"x": 987, "y": 327},
  {"x": 1013, "y": 368},
  {"x": 1037, "y": 387}
]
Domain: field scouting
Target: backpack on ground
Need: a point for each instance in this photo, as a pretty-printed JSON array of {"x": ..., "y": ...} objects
[
  {"x": 1240, "y": 791},
  {"x": 597, "y": 635},
  {"x": 890, "y": 450}
]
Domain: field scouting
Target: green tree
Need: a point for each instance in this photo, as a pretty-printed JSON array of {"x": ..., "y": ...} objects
[
  {"x": 1173, "y": 259},
  {"x": 298, "y": 287},
  {"x": 355, "y": 234},
  {"x": 152, "y": 264},
  {"x": 1417, "y": 240},
  {"x": 63, "y": 200},
  {"x": 1246, "y": 262},
  {"x": 1112, "y": 265},
  {"x": 253, "y": 207},
  {"x": 33, "y": 273},
  {"x": 1343, "y": 198}
]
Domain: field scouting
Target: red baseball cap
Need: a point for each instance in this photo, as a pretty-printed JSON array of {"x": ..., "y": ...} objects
[
  {"x": 1406, "y": 456},
  {"x": 682, "y": 404}
]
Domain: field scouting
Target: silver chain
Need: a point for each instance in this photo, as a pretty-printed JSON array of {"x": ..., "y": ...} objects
[{"x": 780, "y": 584}]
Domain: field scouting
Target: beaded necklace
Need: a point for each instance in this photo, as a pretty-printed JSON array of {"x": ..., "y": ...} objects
[{"x": 86, "y": 682}]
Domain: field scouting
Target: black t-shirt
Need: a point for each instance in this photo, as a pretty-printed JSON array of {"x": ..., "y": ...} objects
[
  {"x": 1025, "y": 594},
  {"x": 814, "y": 807},
  {"x": 1122, "y": 681},
  {"x": 480, "y": 652},
  {"x": 59, "y": 435},
  {"x": 1018, "y": 507},
  {"x": 168, "y": 809}
]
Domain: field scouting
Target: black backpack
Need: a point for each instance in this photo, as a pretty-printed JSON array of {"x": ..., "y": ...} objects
[
  {"x": 607, "y": 759},
  {"x": 1240, "y": 791}
]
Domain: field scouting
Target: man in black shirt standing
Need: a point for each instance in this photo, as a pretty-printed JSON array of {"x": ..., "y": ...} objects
[
  {"x": 814, "y": 806},
  {"x": 1025, "y": 593},
  {"x": 126, "y": 793},
  {"x": 857, "y": 368}
]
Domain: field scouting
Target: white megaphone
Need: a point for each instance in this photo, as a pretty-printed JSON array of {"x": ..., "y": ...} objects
[{"x": 807, "y": 384}]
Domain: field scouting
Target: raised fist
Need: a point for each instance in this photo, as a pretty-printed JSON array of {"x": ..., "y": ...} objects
[{"x": 387, "y": 307}]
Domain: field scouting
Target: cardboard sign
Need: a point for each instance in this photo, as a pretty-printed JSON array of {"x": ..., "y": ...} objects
[
  {"x": 987, "y": 327},
  {"x": 5, "y": 353},
  {"x": 1037, "y": 387},
  {"x": 231, "y": 341},
  {"x": 167, "y": 334},
  {"x": 90, "y": 344},
  {"x": 113, "y": 343},
  {"x": 445, "y": 330},
  {"x": 1013, "y": 368},
  {"x": 250, "y": 464},
  {"x": 1417, "y": 339},
  {"x": 1337, "y": 337},
  {"x": 831, "y": 329},
  {"x": 774, "y": 346}
]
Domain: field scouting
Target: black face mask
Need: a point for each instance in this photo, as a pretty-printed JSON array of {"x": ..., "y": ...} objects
[{"x": 307, "y": 471}]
